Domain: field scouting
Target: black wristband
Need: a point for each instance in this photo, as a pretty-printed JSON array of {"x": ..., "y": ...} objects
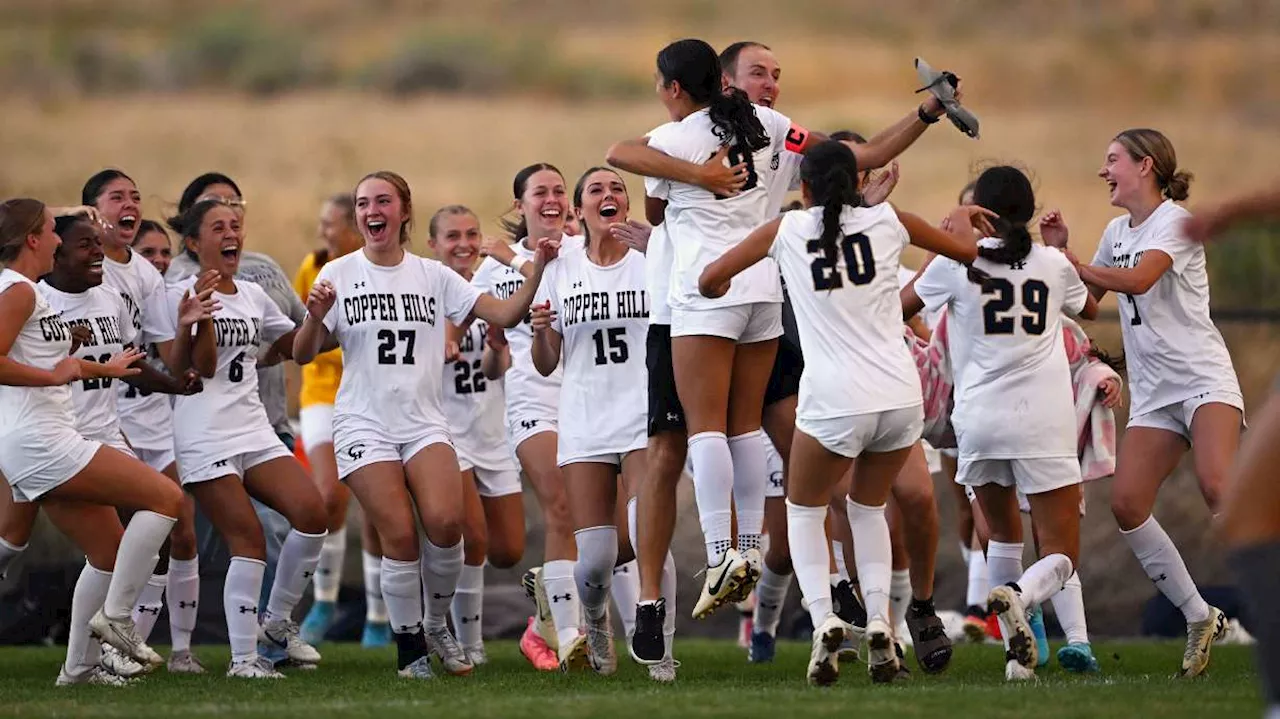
[{"x": 924, "y": 116}]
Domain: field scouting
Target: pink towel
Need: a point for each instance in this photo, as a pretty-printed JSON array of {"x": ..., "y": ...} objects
[{"x": 934, "y": 366}]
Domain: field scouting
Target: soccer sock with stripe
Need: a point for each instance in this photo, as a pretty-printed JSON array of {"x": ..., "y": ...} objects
[{"x": 712, "y": 465}]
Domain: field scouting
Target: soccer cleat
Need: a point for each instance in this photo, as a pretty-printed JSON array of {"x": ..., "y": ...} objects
[
  {"x": 476, "y": 654},
  {"x": 993, "y": 628},
  {"x": 283, "y": 634},
  {"x": 419, "y": 668},
  {"x": 319, "y": 619},
  {"x": 1200, "y": 639},
  {"x": 763, "y": 647},
  {"x": 535, "y": 649},
  {"x": 755, "y": 565},
  {"x": 723, "y": 583},
  {"x": 648, "y": 646},
  {"x": 256, "y": 668},
  {"x": 1015, "y": 672},
  {"x": 375, "y": 635},
  {"x": 942, "y": 85},
  {"x": 1005, "y": 602},
  {"x": 975, "y": 624},
  {"x": 929, "y": 638},
  {"x": 1036, "y": 619},
  {"x": 664, "y": 672},
  {"x": 537, "y": 591},
  {"x": 824, "y": 657},
  {"x": 121, "y": 634},
  {"x": 575, "y": 655},
  {"x": 184, "y": 662},
  {"x": 120, "y": 665},
  {"x": 600, "y": 649},
  {"x": 94, "y": 676},
  {"x": 900, "y": 650},
  {"x": 846, "y": 604},
  {"x": 1078, "y": 658},
  {"x": 442, "y": 645},
  {"x": 882, "y": 653}
]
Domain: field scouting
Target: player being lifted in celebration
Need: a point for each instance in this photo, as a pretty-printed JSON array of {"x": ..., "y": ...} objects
[
  {"x": 474, "y": 405},
  {"x": 1183, "y": 389},
  {"x": 860, "y": 397},
  {"x": 387, "y": 308},
  {"x": 593, "y": 312},
  {"x": 79, "y": 482},
  {"x": 1014, "y": 414},
  {"x": 227, "y": 450}
]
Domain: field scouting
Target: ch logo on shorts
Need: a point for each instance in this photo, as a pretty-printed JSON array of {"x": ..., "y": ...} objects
[
  {"x": 528, "y": 423},
  {"x": 775, "y": 479},
  {"x": 356, "y": 451}
]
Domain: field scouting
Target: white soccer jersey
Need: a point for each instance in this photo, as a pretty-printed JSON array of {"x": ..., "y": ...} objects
[
  {"x": 390, "y": 323},
  {"x": 1172, "y": 349},
  {"x": 602, "y": 313},
  {"x": 848, "y": 312},
  {"x": 475, "y": 406},
  {"x": 529, "y": 394},
  {"x": 227, "y": 418},
  {"x": 43, "y": 342},
  {"x": 702, "y": 227},
  {"x": 786, "y": 177},
  {"x": 146, "y": 418},
  {"x": 101, "y": 311},
  {"x": 1013, "y": 397}
]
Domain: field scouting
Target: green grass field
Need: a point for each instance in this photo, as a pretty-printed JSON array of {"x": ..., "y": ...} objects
[{"x": 715, "y": 680}]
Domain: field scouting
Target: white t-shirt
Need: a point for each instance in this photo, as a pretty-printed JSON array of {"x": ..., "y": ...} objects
[
  {"x": 103, "y": 313},
  {"x": 390, "y": 323},
  {"x": 702, "y": 227},
  {"x": 529, "y": 394},
  {"x": 1013, "y": 397},
  {"x": 475, "y": 406},
  {"x": 146, "y": 419},
  {"x": 849, "y": 313},
  {"x": 786, "y": 177},
  {"x": 43, "y": 342},
  {"x": 227, "y": 418},
  {"x": 602, "y": 313},
  {"x": 1172, "y": 349}
]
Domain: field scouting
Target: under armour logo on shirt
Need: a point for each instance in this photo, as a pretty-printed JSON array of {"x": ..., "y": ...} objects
[
  {"x": 577, "y": 284},
  {"x": 221, "y": 463},
  {"x": 360, "y": 285}
]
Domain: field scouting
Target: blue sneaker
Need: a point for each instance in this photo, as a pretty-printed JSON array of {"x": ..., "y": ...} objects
[
  {"x": 1078, "y": 658},
  {"x": 376, "y": 634},
  {"x": 318, "y": 622},
  {"x": 762, "y": 648},
  {"x": 1036, "y": 620}
]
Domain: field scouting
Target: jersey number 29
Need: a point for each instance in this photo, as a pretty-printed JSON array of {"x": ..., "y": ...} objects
[{"x": 997, "y": 320}]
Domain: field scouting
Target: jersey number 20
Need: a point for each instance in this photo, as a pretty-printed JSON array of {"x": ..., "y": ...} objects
[
  {"x": 859, "y": 264},
  {"x": 996, "y": 319}
]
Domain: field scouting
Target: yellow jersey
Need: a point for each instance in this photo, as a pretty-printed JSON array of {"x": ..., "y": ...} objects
[{"x": 321, "y": 377}]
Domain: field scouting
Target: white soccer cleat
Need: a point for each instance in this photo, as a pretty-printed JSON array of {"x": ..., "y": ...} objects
[
  {"x": 1200, "y": 639},
  {"x": 722, "y": 584},
  {"x": 824, "y": 657},
  {"x": 476, "y": 654},
  {"x": 755, "y": 567},
  {"x": 600, "y": 648},
  {"x": 882, "y": 653},
  {"x": 1015, "y": 672},
  {"x": 420, "y": 668},
  {"x": 258, "y": 667},
  {"x": 121, "y": 634},
  {"x": 441, "y": 643},
  {"x": 1005, "y": 602},
  {"x": 575, "y": 655},
  {"x": 120, "y": 665},
  {"x": 283, "y": 634},
  {"x": 94, "y": 676},
  {"x": 664, "y": 672},
  {"x": 184, "y": 662}
]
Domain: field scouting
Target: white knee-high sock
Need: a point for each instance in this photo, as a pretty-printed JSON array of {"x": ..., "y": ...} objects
[
  {"x": 1068, "y": 604},
  {"x": 593, "y": 573},
  {"x": 810, "y": 557},
  {"x": 402, "y": 590},
  {"x": 440, "y": 569},
  {"x": 8, "y": 553},
  {"x": 1044, "y": 579},
  {"x": 328, "y": 576},
  {"x": 977, "y": 590},
  {"x": 842, "y": 568},
  {"x": 147, "y": 610},
  {"x": 562, "y": 592},
  {"x": 713, "y": 489},
  {"x": 626, "y": 592},
  {"x": 771, "y": 595},
  {"x": 1004, "y": 562},
  {"x": 240, "y": 592},
  {"x": 750, "y": 482},
  {"x": 83, "y": 651},
  {"x": 135, "y": 560},
  {"x": 297, "y": 564},
  {"x": 669, "y": 597},
  {"x": 467, "y": 606},
  {"x": 375, "y": 610},
  {"x": 873, "y": 556},
  {"x": 183, "y": 597},
  {"x": 899, "y": 593},
  {"x": 1163, "y": 564}
]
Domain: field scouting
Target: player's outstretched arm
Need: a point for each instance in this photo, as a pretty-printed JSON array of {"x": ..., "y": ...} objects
[
  {"x": 714, "y": 175},
  {"x": 716, "y": 277},
  {"x": 511, "y": 311},
  {"x": 1209, "y": 222}
]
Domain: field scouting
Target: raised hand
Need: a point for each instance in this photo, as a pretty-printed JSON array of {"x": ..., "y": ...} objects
[
  {"x": 121, "y": 363},
  {"x": 498, "y": 249},
  {"x": 974, "y": 217},
  {"x": 633, "y": 234},
  {"x": 1053, "y": 229},
  {"x": 320, "y": 299},
  {"x": 878, "y": 187},
  {"x": 197, "y": 309},
  {"x": 719, "y": 178},
  {"x": 542, "y": 316},
  {"x": 547, "y": 250}
]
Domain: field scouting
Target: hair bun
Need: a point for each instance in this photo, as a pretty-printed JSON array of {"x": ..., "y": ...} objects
[{"x": 1178, "y": 188}]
